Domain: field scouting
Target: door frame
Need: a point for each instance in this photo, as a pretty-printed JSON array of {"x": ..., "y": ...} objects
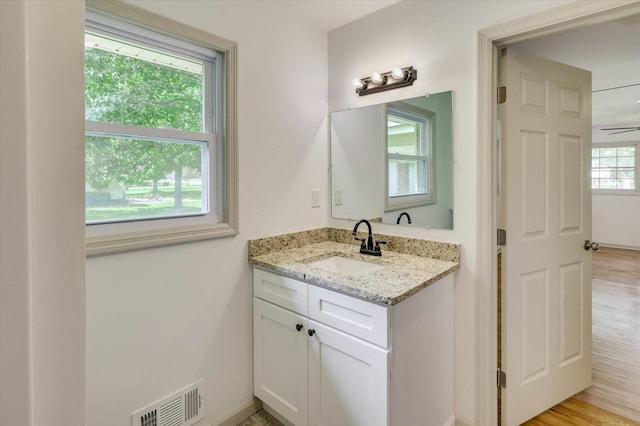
[{"x": 548, "y": 22}]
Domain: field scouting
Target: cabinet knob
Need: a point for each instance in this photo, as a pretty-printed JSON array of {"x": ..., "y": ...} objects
[
  {"x": 298, "y": 327},
  {"x": 311, "y": 332}
]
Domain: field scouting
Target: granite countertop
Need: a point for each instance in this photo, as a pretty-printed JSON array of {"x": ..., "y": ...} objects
[{"x": 401, "y": 276}]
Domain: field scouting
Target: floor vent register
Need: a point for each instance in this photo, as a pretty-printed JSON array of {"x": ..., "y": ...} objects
[{"x": 183, "y": 408}]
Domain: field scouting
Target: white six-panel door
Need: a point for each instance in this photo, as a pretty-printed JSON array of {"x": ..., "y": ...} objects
[{"x": 546, "y": 291}]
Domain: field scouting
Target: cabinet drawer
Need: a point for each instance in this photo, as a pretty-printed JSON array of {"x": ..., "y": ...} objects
[
  {"x": 285, "y": 292},
  {"x": 365, "y": 320}
]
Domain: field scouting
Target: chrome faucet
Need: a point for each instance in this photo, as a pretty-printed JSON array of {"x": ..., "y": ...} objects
[
  {"x": 368, "y": 247},
  {"x": 400, "y": 217}
]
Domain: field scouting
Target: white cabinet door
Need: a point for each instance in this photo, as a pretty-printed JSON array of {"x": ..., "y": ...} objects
[
  {"x": 348, "y": 380},
  {"x": 280, "y": 360}
]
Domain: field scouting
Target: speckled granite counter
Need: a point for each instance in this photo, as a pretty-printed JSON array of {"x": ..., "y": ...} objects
[{"x": 402, "y": 274}]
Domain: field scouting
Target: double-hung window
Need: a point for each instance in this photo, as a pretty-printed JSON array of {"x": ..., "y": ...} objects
[
  {"x": 614, "y": 168},
  {"x": 410, "y": 174},
  {"x": 159, "y": 156}
]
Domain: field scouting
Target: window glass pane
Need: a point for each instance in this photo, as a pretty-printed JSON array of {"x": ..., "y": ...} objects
[
  {"x": 404, "y": 136},
  {"x": 614, "y": 167},
  {"x": 406, "y": 177},
  {"x": 627, "y": 151},
  {"x": 626, "y": 161},
  {"x": 608, "y": 152},
  {"x": 626, "y": 183},
  {"x": 608, "y": 161},
  {"x": 130, "y": 84},
  {"x": 134, "y": 179}
]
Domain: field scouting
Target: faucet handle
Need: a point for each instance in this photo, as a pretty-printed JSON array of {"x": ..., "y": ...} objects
[
  {"x": 377, "y": 248},
  {"x": 362, "y": 242}
]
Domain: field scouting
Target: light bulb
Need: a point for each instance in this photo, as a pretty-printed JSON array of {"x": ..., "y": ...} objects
[
  {"x": 397, "y": 73},
  {"x": 376, "y": 77},
  {"x": 357, "y": 83}
]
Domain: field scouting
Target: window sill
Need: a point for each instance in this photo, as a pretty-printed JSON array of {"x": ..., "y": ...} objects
[
  {"x": 408, "y": 201},
  {"x": 615, "y": 192},
  {"x": 155, "y": 238}
]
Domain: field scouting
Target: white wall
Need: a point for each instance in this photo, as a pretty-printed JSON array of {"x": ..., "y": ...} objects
[
  {"x": 42, "y": 214},
  {"x": 615, "y": 217},
  {"x": 439, "y": 39},
  {"x": 159, "y": 319},
  {"x": 15, "y": 369}
]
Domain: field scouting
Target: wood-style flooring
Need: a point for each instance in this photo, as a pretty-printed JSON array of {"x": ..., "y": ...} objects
[
  {"x": 579, "y": 413},
  {"x": 616, "y": 332}
]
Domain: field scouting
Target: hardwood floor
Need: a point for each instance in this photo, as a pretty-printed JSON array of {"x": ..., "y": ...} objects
[
  {"x": 617, "y": 265},
  {"x": 616, "y": 332},
  {"x": 579, "y": 413}
]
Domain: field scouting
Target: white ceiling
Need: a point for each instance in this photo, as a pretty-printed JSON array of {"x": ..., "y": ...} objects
[
  {"x": 327, "y": 15},
  {"x": 611, "y": 51}
]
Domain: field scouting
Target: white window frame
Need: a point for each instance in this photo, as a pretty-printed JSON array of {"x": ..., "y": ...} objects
[
  {"x": 415, "y": 200},
  {"x": 222, "y": 219},
  {"x": 604, "y": 191}
]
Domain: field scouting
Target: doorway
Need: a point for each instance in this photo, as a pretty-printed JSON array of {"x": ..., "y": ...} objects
[
  {"x": 560, "y": 19},
  {"x": 609, "y": 50}
]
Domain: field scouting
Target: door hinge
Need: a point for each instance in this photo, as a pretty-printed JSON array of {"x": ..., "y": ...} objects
[
  {"x": 501, "y": 379},
  {"x": 502, "y": 94},
  {"x": 502, "y": 237}
]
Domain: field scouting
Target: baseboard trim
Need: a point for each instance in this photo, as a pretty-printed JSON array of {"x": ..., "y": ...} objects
[
  {"x": 461, "y": 421},
  {"x": 241, "y": 413},
  {"x": 451, "y": 421},
  {"x": 619, "y": 246}
]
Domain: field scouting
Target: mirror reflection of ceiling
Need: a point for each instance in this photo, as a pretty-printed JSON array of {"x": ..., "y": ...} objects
[{"x": 611, "y": 51}]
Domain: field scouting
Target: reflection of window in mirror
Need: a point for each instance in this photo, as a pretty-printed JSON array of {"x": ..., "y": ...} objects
[{"x": 410, "y": 174}]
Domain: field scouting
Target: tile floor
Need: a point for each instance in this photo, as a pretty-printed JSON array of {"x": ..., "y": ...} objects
[{"x": 261, "y": 418}]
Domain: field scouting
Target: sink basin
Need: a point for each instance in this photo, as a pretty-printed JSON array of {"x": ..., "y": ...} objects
[{"x": 346, "y": 266}]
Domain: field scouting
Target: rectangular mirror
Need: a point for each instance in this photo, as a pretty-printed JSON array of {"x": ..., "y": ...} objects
[{"x": 393, "y": 163}]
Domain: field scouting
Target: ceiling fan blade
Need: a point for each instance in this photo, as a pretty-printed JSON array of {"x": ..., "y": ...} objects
[
  {"x": 624, "y": 131},
  {"x": 621, "y": 128}
]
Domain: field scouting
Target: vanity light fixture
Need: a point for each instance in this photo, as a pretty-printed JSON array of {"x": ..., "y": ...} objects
[
  {"x": 380, "y": 82},
  {"x": 377, "y": 78},
  {"x": 397, "y": 73}
]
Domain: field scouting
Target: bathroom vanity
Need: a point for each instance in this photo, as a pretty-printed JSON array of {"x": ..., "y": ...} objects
[{"x": 341, "y": 338}]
